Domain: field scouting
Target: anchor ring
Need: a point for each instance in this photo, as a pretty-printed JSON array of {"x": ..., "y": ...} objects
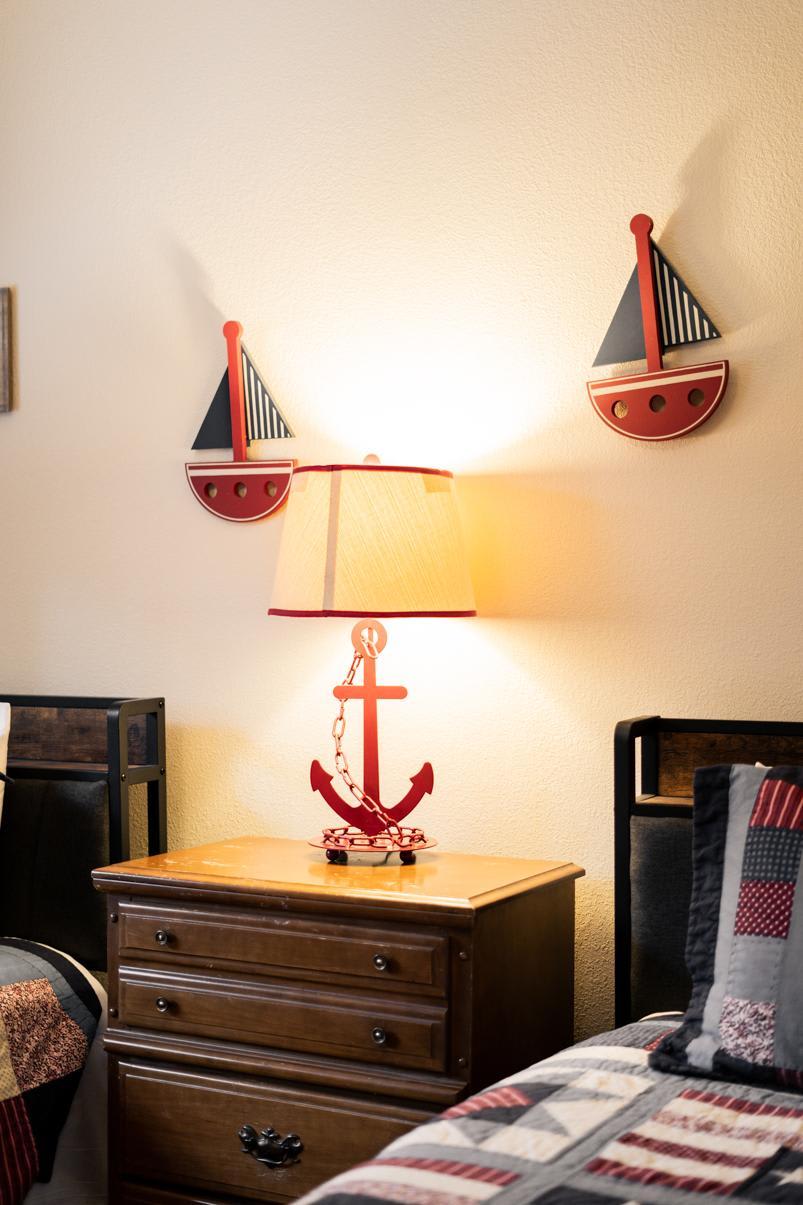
[{"x": 369, "y": 637}]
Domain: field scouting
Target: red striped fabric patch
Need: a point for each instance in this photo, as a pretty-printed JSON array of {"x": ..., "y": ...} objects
[
  {"x": 740, "y": 1105},
  {"x": 402, "y": 1194},
  {"x": 778, "y": 804},
  {"x": 736, "y": 1129},
  {"x": 676, "y": 1147},
  {"x": 676, "y": 1150},
  {"x": 498, "y": 1098},
  {"x": 19, "y": 1162},
  {"x": 651, "y": 1175},
  {"x": 450, "y": 1167}
]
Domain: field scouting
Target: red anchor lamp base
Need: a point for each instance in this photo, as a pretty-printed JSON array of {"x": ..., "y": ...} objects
[{"x": 370, "y": 827}]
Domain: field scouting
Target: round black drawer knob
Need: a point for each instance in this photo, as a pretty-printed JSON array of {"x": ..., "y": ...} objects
[
  {"x": 162, "y": 1005},
  {"x": 381, "y": 962},
  {"x": 161, "y": 937},
  {"x": 379, "y": 1036}
]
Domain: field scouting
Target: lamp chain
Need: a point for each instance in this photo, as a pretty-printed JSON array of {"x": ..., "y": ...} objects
[{"x": 341, "y": 761}]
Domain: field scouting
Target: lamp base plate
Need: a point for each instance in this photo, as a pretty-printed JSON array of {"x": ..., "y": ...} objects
[{"x": 404, "y": 841}]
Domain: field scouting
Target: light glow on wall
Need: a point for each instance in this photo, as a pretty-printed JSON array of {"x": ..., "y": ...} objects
[{"x": 432, "y": 392}]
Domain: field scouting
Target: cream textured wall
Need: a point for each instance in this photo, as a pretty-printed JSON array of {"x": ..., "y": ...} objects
[{"x": 419, "y": 210}]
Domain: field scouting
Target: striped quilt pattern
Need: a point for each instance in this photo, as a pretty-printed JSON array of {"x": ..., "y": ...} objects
[{"x": 592, "y": 1125}]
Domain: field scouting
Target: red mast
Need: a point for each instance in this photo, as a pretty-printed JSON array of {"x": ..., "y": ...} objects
[
  {"x": 233, "y": 333},
  {"x": 641, "y": 225}
]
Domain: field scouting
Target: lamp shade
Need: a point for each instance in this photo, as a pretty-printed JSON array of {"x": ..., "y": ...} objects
[{"x": 372, "y": 540}]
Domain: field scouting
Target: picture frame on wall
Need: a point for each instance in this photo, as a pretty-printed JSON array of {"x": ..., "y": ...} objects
[{"x": 6, "y": 377}]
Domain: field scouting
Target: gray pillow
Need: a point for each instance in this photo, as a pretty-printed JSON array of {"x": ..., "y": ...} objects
[{"x": 744, "y": 946}]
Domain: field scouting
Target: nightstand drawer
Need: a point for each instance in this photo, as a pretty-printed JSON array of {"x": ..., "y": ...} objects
[
  {"x": 401, "y": 1033},
  {"x": 182, "y": 1128},
  {"x": 287, "y": 946}
]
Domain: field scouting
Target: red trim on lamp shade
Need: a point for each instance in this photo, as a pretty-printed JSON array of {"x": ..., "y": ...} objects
[
  {"x": 371, "y": 468},
  {"x": 376, "y": 614}
]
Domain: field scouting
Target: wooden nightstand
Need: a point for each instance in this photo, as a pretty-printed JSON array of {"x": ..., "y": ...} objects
[{"x": 252, "y": 983}]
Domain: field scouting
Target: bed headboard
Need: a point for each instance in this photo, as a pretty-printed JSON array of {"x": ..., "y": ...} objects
[
  {"x": 653, "y": 842},
  {"x": 72, "y": 761}
]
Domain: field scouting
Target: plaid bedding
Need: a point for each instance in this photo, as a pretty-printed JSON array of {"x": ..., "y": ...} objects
[
  {"x": 48, "y": 1017},
  {"x": 590, "y": 1126}
]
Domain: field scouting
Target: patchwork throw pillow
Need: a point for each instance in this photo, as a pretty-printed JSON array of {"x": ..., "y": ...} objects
[
  {"x": 5, "y": 727},
  {"x": 744, "y": 947}
]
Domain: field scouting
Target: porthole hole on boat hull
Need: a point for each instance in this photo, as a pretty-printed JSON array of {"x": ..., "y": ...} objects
[
  {"x": 620, "y": 409},
  {"x": 210, "y": 489},
  {"x": 696, "y": 397},
  {"x": 241, "y": 489},
  {"x": 657, "y": 403},
  {"x": 271, "y": 489}
]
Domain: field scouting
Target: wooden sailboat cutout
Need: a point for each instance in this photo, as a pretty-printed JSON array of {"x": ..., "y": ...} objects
[
  {"x": 657, "y": 312},
  {"x": 242, "y": 409}
]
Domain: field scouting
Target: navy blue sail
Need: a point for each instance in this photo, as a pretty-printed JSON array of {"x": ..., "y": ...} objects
[{"x": 215, "y": 430}]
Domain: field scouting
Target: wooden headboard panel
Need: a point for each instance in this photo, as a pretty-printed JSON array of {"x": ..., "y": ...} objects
[
  {"x": 653, "y": 842},
  {"x": 70, "y": 736},
  {"x": 679, "y": 752}
]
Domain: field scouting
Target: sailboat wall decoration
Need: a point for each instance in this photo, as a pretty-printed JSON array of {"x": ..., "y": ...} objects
[
  {"x": 242, "y": 410},
  {"x": 657, "y": 313}
]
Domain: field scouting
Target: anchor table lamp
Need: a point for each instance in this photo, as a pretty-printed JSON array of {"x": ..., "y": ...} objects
[{"x": 371, "y": 542}]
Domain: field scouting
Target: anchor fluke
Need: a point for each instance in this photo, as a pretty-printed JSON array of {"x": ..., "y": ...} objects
[
  {"x": 352, "y": 813},
  {"x": 423, "y": 782}
]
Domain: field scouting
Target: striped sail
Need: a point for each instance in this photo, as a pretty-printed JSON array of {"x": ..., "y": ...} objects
[
  {"x": 681, "y": 318},
  {"x": 263, "y": 419}
]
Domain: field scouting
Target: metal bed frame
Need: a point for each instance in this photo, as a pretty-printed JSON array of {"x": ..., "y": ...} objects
[{"x": 134, "y": 753}]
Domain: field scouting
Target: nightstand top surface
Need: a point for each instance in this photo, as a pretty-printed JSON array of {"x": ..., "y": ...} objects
[{"x": 275, "y": 866}]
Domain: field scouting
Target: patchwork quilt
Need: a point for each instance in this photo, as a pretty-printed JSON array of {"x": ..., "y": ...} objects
[
  {"x": 48, "y": 1017},
  {"x": 593, "y": 1125},
  {"x": 745, "y": 936}
]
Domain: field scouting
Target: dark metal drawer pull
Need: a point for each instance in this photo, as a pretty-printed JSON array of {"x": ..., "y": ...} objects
[
  {"x": 381, "y": 962},
  {"x": 161, "y": 937},
  {"x": 269, "y": 1147},
  {"x": 379, "y": 1036},
  {"x": 162, "y": 1005}
]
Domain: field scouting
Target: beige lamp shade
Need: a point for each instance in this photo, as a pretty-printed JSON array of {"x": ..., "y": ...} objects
[{"x": 372, "y": 540}]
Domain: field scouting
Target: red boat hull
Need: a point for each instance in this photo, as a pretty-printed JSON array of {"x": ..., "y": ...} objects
[
  {"x": 241, "y": 490},
  {"x": 660, "y": 405}
]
